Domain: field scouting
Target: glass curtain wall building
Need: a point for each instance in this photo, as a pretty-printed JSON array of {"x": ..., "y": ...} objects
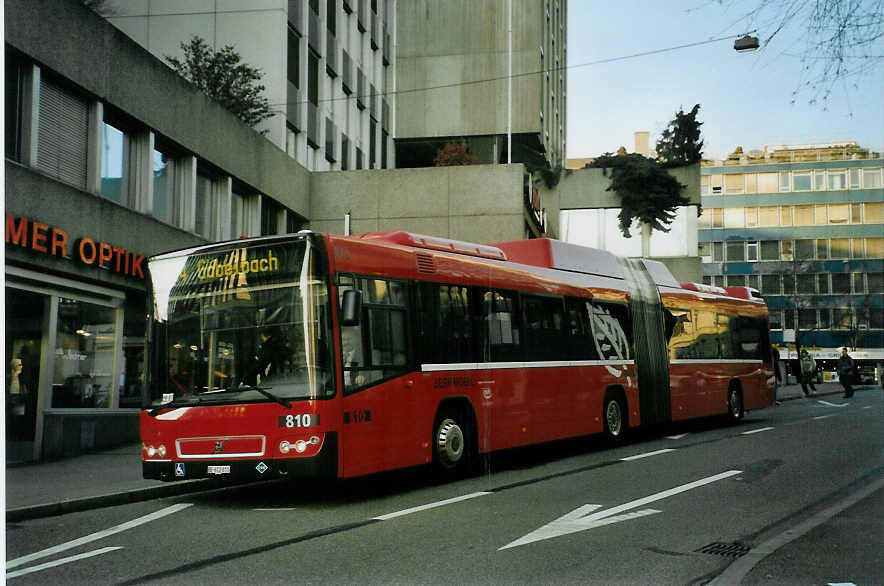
[{"x": 804, "y": 224}]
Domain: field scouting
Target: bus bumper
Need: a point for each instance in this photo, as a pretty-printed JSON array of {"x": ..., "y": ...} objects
[{"x": 323, "y": 465}]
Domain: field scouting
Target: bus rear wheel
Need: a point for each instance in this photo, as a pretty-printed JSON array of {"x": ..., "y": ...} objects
[
  {"x": 452, "y": 446},
  {"x": 613, "y": 419},
  {"x": 735, "y": 410}
]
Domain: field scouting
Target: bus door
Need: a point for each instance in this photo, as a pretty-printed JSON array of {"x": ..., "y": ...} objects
[{"x": 651, "y": 357}]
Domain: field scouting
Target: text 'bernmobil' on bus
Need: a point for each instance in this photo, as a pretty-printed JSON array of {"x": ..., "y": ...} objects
[{"x": 319, "y": 355}]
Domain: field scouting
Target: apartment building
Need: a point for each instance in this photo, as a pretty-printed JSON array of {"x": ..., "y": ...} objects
[
  {"x": 328, "y": 67},
  {"x": 453, "y": 79},
  {"x": 804, "y": 224}
]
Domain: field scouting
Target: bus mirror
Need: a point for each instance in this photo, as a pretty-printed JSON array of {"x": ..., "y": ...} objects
[{"x": 352, "y": 308}]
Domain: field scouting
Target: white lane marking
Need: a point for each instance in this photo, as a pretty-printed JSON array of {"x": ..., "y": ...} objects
[
  {"x": 736, "y": 571},
  {"x": 676, "y": 437},
  {"x": 59, "y": 562},
  {"x": 841, "y": 584},
  {"x": 276, "y": 509},
  {"x": 751, "y": 431},
  {"x": 647, "y": 455},
  {"x": 824, "y": 416},
  {"x": 456, "y": 499},
  {"x": 96, "y": 536},
  {"x": 584, "y": 518},
  {"x": 821, "y": 402}
]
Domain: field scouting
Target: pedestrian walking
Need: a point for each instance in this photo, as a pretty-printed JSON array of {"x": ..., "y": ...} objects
[
  {"x": 846, "y": 367},
  {"x": 808, "y": 373}
]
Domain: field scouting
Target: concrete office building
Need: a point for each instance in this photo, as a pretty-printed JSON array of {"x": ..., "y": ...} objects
[
  {"x": 327, "y": 64},
  {"x": 452, "y": 73},
  {"x": 804, "y": 224}
]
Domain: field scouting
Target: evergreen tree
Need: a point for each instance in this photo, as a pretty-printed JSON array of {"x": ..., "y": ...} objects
[
  {"x": 223, "y": 77},
  {"x": 680, "y": 143}
]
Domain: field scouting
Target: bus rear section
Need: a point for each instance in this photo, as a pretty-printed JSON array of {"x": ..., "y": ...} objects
[{"x": 240, "y": 380}]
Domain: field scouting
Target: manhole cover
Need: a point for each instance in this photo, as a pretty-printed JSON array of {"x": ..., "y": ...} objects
[{"x": 730, "y": 550}]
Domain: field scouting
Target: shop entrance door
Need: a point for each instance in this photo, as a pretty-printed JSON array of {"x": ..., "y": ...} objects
[{"x": 24, "y": 342}]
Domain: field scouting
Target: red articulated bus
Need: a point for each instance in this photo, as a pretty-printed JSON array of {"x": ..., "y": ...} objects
[{"x": 311, "y": 354}]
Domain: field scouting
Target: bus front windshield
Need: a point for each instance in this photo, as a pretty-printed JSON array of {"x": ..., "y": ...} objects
[{"x": 242, "y": 323}]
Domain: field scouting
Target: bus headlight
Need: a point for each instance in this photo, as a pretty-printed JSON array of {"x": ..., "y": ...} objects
[
  {"x": 284, "y": 447},
  {"x": 161, "y": 451},
  {"x": 151, "y": 451}
]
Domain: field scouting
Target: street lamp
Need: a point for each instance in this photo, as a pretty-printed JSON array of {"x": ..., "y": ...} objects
[{"x": 745, "y": 44}]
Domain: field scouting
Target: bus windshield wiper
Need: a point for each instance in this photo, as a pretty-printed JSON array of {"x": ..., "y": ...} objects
[
  {"x": 263, "y": 390},
  {"x": 193, "y": 400}
]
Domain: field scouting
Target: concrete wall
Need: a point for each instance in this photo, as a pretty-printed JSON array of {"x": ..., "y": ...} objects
[
  {"x": 585, "y": 188},
  {"x": 479, "y": 203},
  {"x": 114, "y": 69},
  {"x": 457, "y": 41}
]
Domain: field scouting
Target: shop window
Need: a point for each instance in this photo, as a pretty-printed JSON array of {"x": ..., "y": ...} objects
[
  {"x": 84, "y": 355},
  {"x": 24, "y": 334},
  {"x": 133, "y": 352}
]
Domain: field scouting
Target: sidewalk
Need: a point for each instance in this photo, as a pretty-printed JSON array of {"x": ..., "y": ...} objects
[{"x": 113, "y": 477}]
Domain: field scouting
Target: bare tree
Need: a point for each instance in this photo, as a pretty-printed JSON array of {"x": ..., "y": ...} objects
[{"x": 842, "y": 39}]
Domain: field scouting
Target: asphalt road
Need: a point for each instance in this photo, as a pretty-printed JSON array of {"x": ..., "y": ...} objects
[{"x": 767, "y": 501}]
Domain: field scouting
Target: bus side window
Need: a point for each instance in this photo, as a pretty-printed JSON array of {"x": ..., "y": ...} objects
[
  {"x": 503, "y": 342},
  {"x": 681, "y": 339},
  {"x": 580, "y": 343},
  {"x": 611, "y": 330},
  {"x": 544, "y": 328}
]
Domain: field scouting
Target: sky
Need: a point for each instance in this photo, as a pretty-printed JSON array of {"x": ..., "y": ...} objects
[{"x": 745, "y": 98}]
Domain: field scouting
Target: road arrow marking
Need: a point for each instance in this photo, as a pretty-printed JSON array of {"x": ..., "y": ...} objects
[
  {"x": 832, "y": 404},
  {"x": 583, "y": 518}
]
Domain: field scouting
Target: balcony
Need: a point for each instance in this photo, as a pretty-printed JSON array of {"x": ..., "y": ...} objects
[
  {"x": 331, "y": 55},
  {"x": 346, "y": 73},
  {"x": 312, "y": 125},
  {"x": 293, "y": 107}
]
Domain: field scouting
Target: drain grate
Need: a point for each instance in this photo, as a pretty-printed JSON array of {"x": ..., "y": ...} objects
[{"x": 730, "y": 550}]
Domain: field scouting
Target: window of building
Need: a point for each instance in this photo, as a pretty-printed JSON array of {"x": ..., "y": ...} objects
[
  {"x": 114, "y": 163},
  {"x": 804, "y": 215},
  {"x": 776, "y": 320},
  {"x": 875, "y": 282},
  {"x": 751, "y": 183},
  {"x": 840, "y": 283},
  {"x": 874, "y": 247},
  {"x": 789, "y": 320},
  {"x": 842, "y": 318},
  {"x": 734, "y": 218},
  {"x": 819, "y": 215},
  {"x": 716, "y": 182},
  {"x": 807, "y": 319},
  {"x": 804, "y": 249},
  {"x": 839, "y": 213},
  {"x": 837, "y": 179},
  {"x": 15, "y": 106},
  {"x": 789, "y": 284},
  {"x": 801, "y": 181},
  {"x": 819, "y": 180},
  {"x": 770, "y": 284},
  {"x": 345, "y": 152},
  {"x": 736, "y": 252},
  {"x": 873, "y": 213},
  {"x": 717, "y": 280},
  {"x": 717, "y": 252},
  {"x": 786, "y": 250},
  {"x": 770, "y": 250},
  {"x": 753, "y": 281},
  {"x": 856, "y": 213},
  {"x": 806, "y": 284},
  {"x": 206, "y": 208},
  {"x": 822, "y": 248},
  {"x": 704, "y": 179},
  {"x": 735, "y": 280},
  {"x": 751, "y": 217},
  {"x": 704, "y": 250},
  {"x": 785, "y": 181},
  {"x": 359, "y": 157},
  {"x": 270, "y": 211},
  {"x": 854, "y": 176},
  {"x": 857, "y": 248},
  {"x": 825, "y": 319},
  {"x": 767, "y": 183},
  {"x": 752, "y": 251},
  {"x": 733, "y": 184},
  {"x": 786, "y": 214},
  {"x": 63, "y": 134},
  {"x": 871, "y": 178},
  {"x": 839, "y": 248},
  {"x": 717, "y": 218},
  {"x": 372, "y": 140},
  {"x": 163, "y": 186},
  {"x": 769, "y": 216},
  {"x": 876, "y": 318},
  {"x": 859, "y": 283}
]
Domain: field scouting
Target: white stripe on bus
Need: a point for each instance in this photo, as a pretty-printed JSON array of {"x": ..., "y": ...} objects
[{"x": 512, "y": 365}]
